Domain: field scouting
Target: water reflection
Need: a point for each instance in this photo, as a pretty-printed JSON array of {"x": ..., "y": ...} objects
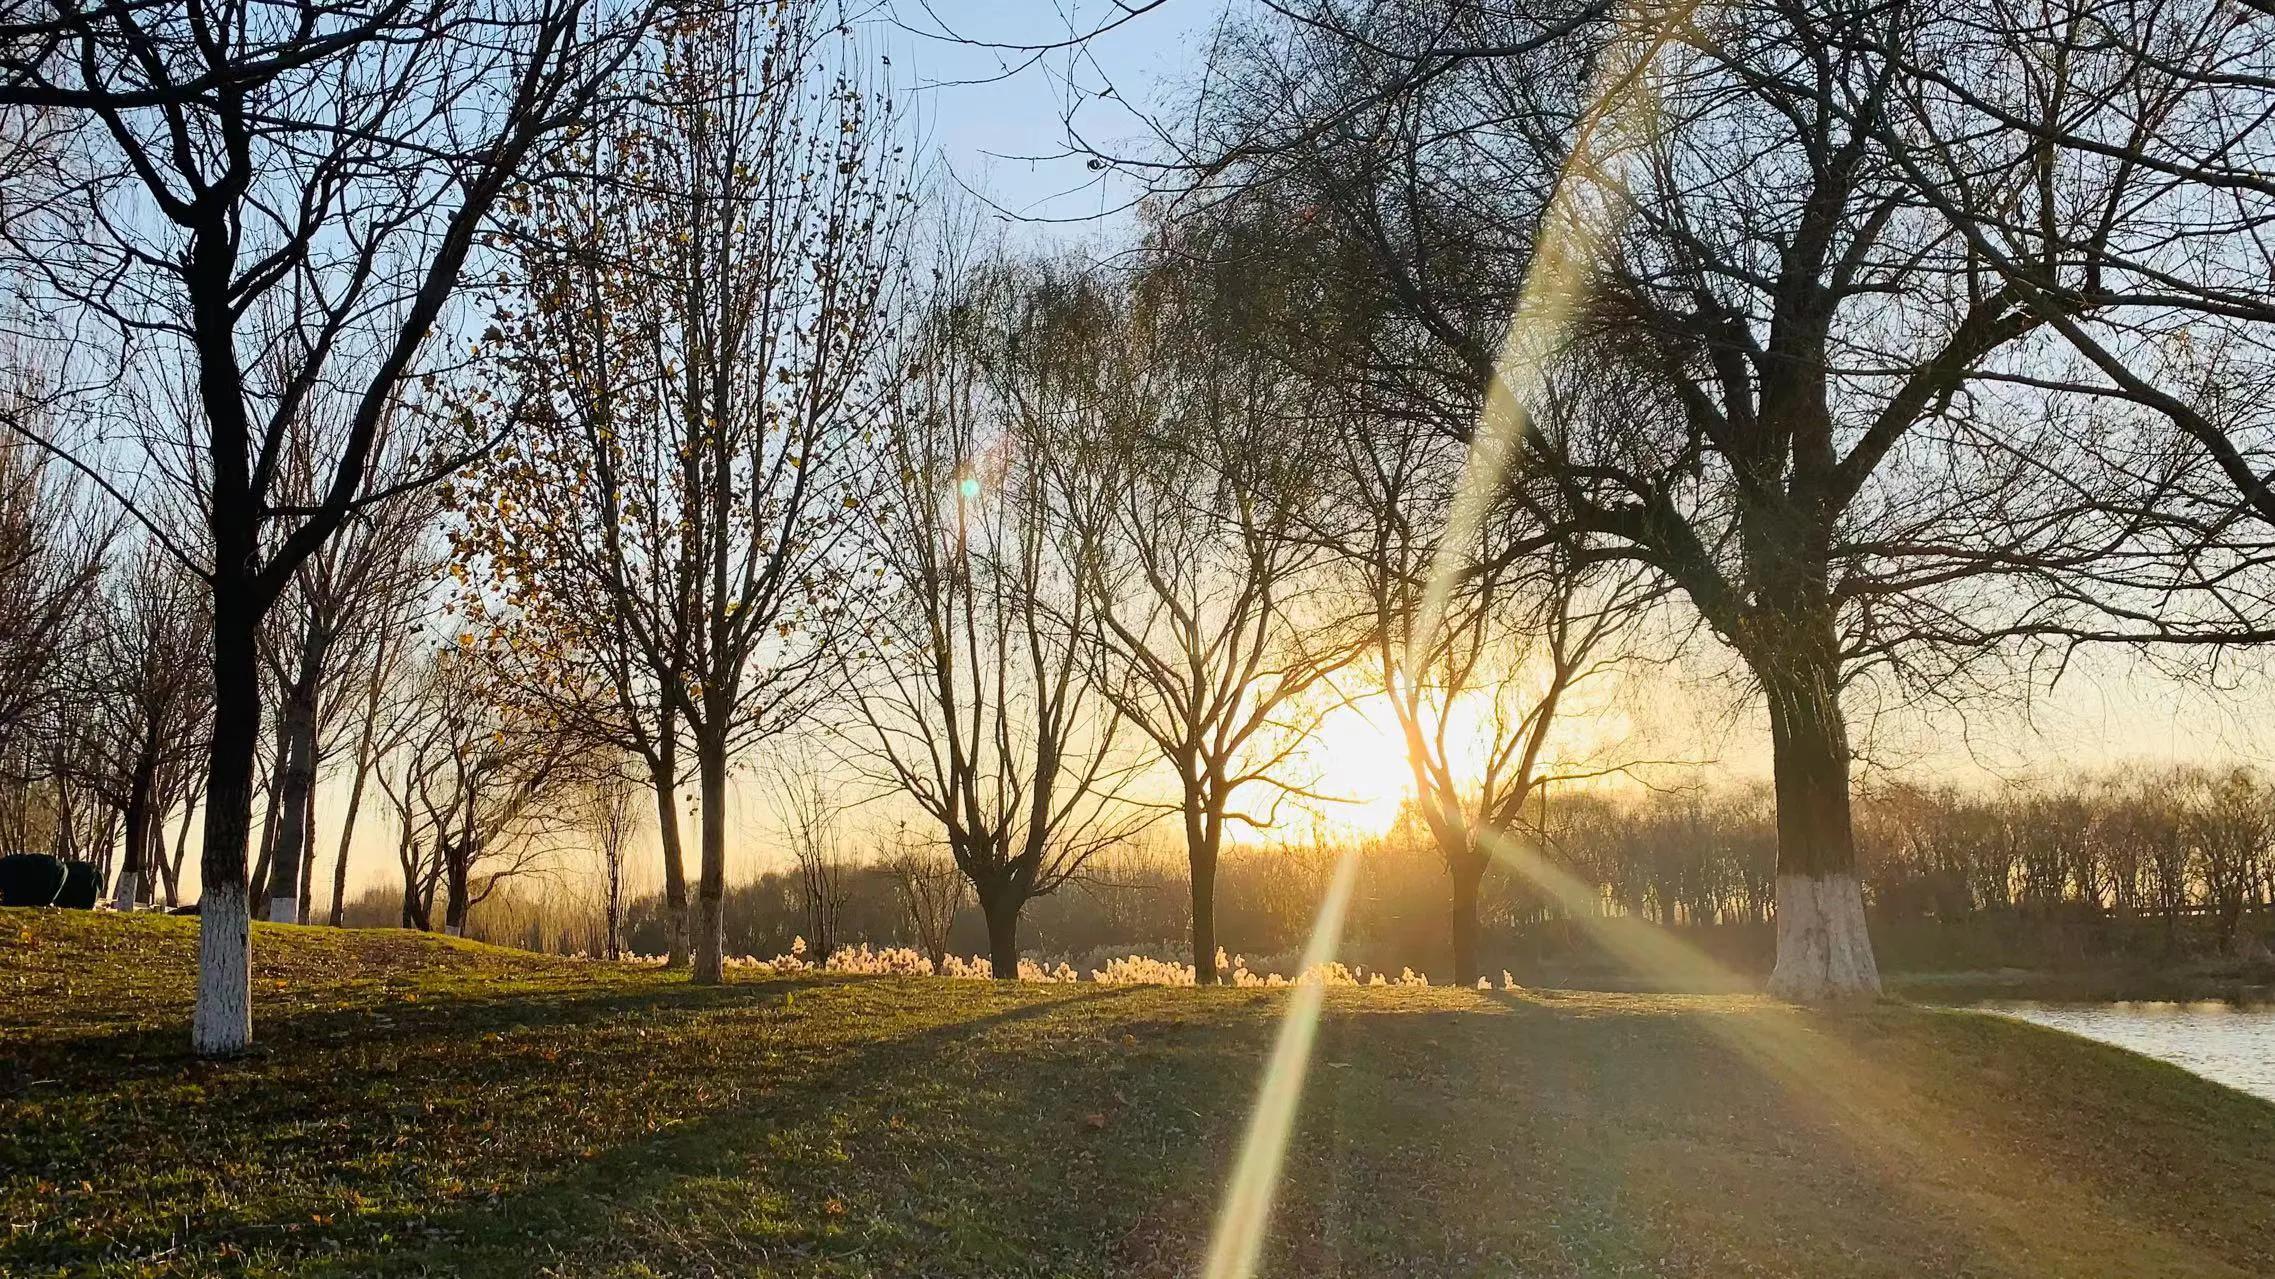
[{"x": 2226, "y": 1043}]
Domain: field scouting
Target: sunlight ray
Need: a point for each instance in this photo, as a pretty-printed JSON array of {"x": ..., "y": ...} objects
[
  {"x": 1874, "y": 1108},
  {"x": 1570, "y": 231},
  {"x": 1241, "y": 1222}
]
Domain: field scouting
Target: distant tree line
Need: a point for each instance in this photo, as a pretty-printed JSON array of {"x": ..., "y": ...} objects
[
  {"x": 2149, "y": 868},
  {"x": 2154, "y": 863}
]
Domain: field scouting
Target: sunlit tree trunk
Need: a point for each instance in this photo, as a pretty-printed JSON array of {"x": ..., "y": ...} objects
[{"x": 1824, "y": 951}]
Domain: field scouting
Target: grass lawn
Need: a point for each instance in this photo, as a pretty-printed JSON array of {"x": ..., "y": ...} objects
[{"x": 426, "y": 1107}]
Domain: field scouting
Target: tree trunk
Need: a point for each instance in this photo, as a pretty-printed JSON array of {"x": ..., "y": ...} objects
[
  {"x": 1466, "y": 868},
  {"x": 380, "y": 661},
  {"x": 296, "y": 777},
  {"x": 1823, "y": 950},
  {"x": 405, "y": 858},
  {"x": 223, "y": 1022},
  {"x": 103, "y": 846},
  {"x": 613, "y": 945},
  {"x": 181, "y": 851},
  {"x": 2227, "y": 914},
  {"x": 1201, "y": 857},
  {"x": 308, "y": 855},
  {"x": 347, "y": 830},
  {"x": 456, "y": 904},
  {"x": 135, "y": 854},
  {"x": 260, "y": 880},
  {"x": 664, "y": 772},
  {"x": 710, "y": 937},
  {"x": 1001, "y": 907},
  {"x": 64, "y": 825}
]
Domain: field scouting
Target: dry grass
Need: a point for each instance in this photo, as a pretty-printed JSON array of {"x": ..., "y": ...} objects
[{"x": 427, "y": 1107}]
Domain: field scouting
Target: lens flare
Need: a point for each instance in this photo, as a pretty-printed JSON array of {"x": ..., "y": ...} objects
[
  {"x": 1247, "y": 1209},
  {"x": 1621, "y": 102}
]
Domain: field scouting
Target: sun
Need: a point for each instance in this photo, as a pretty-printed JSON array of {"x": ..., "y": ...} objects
[{"x": 1361, "y": 766}]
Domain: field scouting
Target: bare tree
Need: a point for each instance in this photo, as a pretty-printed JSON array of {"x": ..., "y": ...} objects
[
  {"x": 810, "y": 813},
  {"x": 348, "y": 602},
  {"x": 385, "y": 644},
  {"x": 282, "y": 201},
  {"x": 51, "y": 555},
  {"x": 978, "y": 699},
  {"x": 699, "y": 344},
  {"x": 145, "y": 691},
  {"x": 1482, "y": 675},
  {"x": 482, "y": 784},
  {"x": 1216, "y": 625},
  {"x": 930, "y": 888},
  {"x": 2111, "y": 168},
  {"x": 2231, "y": 822},
  {"x": 611, "y": 819}
]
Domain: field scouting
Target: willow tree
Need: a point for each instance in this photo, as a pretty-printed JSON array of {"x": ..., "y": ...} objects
[
  {"x": 1479, "y": 627},
  {"x": 691, "y": 374},
  {"x": 979, "y": 703},
  {"x": 483, "y": 785},
  {"x": 1490, "y": 655},
  {"x": 1217, "y": 626},
  {"x": 1828, "y": 444}
]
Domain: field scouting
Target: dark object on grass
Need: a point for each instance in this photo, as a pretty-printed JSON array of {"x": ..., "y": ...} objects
[
  {"x": 30, "y": 879},
  {"x": 188, "y": 908},
  {"x": 81, "y": 886}
]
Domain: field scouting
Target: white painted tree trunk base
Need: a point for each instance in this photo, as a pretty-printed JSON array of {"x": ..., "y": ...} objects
[
  {"x": 284, "y": 910},
  {"x": 1824, "y": 953},
  {"x": 454, "y": 930},
  {"x": 129, "y": 890},
  {"x": 223, "y": 1023}
]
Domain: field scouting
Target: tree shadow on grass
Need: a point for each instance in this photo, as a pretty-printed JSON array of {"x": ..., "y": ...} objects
[
  {"x": 112, "y": 1057},
  {"x": 463, "y": 1113},
  {"x": 884, "y": 1127},
  {"x": 779, "y": 1181}
]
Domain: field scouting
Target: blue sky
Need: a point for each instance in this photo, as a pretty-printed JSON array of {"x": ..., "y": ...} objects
[{"x": 992, "y": 119}]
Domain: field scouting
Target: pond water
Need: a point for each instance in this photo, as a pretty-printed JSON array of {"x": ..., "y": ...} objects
[{"x": 2222, "y": 1042}]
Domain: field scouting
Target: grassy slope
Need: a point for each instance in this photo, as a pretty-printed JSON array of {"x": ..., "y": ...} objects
[{"x": 428, "y": 1107}]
